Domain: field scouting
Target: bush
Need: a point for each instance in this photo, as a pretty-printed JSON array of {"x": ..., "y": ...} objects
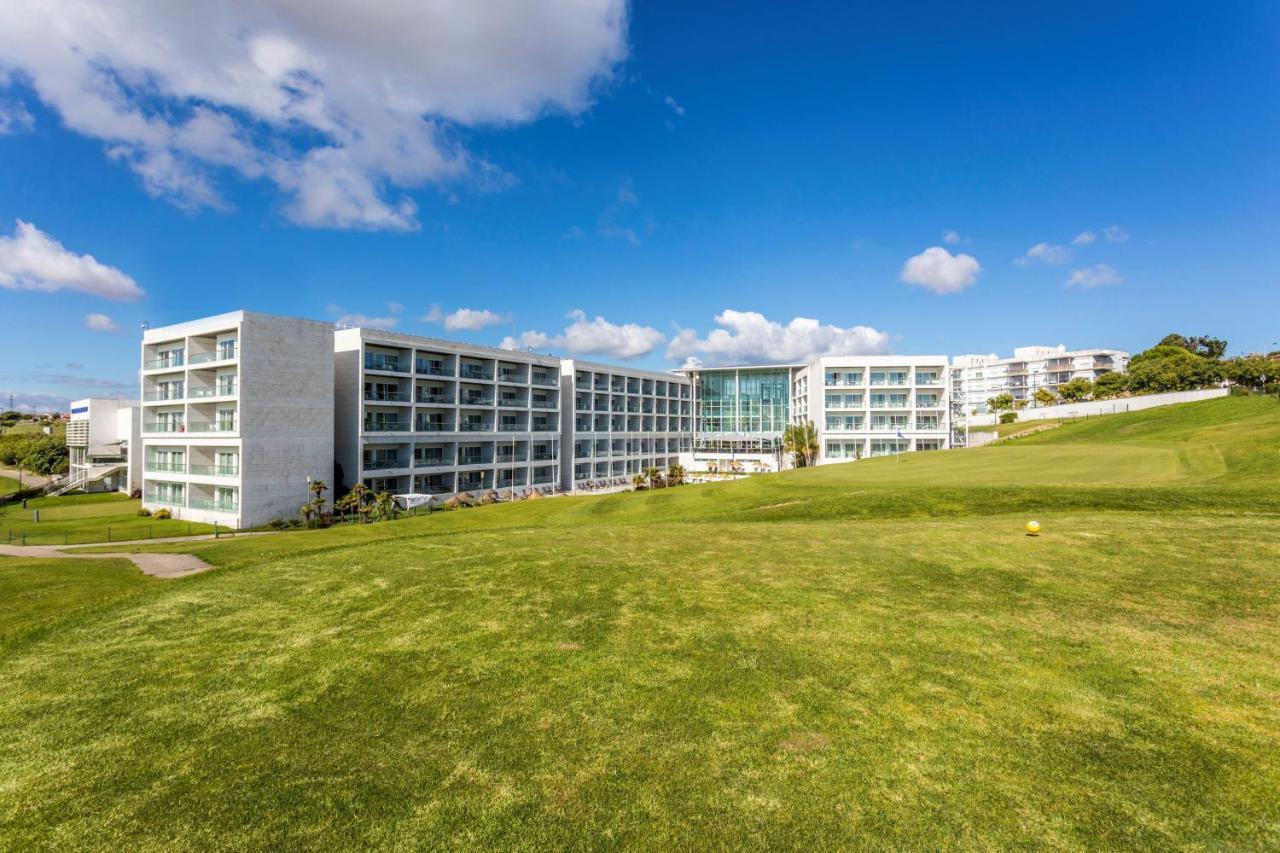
[
  {"x": 1009, "y": 418},
  {"x": 277, "y": 524},
  {"x": 144, "y": 512},
  {"x": 162, "y": 515}
]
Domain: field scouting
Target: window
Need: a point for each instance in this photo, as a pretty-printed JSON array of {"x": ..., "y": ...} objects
[{"x": 227, "y": 348}]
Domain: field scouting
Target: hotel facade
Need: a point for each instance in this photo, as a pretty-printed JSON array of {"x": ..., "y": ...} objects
[{"x": 241, "y": 412}]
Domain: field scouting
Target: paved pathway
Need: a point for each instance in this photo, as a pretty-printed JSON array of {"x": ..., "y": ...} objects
[
  {"x": 29, "y": 480},
  {"x": 156, "y": 565}
]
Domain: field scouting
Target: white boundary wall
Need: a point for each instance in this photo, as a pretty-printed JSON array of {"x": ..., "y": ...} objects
[{"x": 1104, "y": 407}]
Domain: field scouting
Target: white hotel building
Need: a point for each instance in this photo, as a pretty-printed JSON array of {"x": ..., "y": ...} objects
[
  {"x": 417, "y": 415},
  {"x": 977, "y": 378},
  {"x": 237, "y": 416},
  {"x": 619, "y": 421},
  {"x": 100, "y": 436}
]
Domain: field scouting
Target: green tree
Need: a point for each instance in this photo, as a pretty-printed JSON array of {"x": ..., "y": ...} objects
[
  {"x": 1075, "y": 390},
  {"x": 356, "y": 501},
  {"x": 1001, "y": 402},
  {"x": 1171, "y": 368},
  {"x": 654, "y": 476},
  {"x": 1045, "y": 397},
  {"x": 385, "y": 507},
  {"x": 1109, "y": 385},
  {"x": 45, "y": 455},
  {"x": 639, "y": 482},
  {"x": 1201, "y": 345},
  {"x": 801, "y": 441},
  {"x": 675, "y": 474},
  {"x": 1254, "y": 372}
]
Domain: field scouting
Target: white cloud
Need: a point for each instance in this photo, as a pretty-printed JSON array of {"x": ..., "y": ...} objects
[
  {"x": 748, "y": 337},
  {"x": 14, "y": 117},
  {"x": 1094, "y": 276},
  {"x": 1084, "y": 238},
  {"x": 593, "y": 337},
  {"x": 1045, "y": 253},
  {"x": 37, "y": 402},
  {"x": 951, "y": 237},
  {"x": 395, "y": 307},
  {"x": 342, "y": 111},
  {"x": 675, "y": 105},
  {"x": 100, "y": 323},
  {"x": 938, "y": 270},
  {"x": 435, "y": 315},
  {"x": 32, "y": 260},
  {"x": 473, "y": 319},
  {"x": 1115, "y": 234},
  {"x": 366, "y": 322}
]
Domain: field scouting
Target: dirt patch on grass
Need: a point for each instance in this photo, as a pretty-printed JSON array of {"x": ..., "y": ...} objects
[
  {"x": 568, "y": 646},
  {"x": 806, "y": 742}
]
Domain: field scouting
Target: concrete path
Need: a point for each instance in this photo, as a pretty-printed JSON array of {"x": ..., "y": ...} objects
[
  {"x": 29, "y": 480},
  {"x": 156, "y": 565}
]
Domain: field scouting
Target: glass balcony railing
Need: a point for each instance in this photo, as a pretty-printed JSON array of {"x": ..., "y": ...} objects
[
  {"x": 215, "y": 506},
  {"x": 382, "y": 464},
  {"x": 544, "y": 404},
  {"x": 426, "y": 369},
  {"x": 391, "y": 365},
  {"x": 386, "y": 426},
  {"x": 544, "y": 456},
  {"x": 512, "y": 428},
  {"x": 166, "y": 499},
  {"x": 163, "y": 363},
  {"x": 440, "y": 399},
  {"x": 541, "y": 379},
  {"x": 216, "y": 470},
  {"x": 469, "y": 372},
  {"x": 503, "y": 458},
  {"x": 163, "y": 426},
  {"x": 475, "y": 400},
  {"x": 541, "y": 427},
  {"x": 474, "y": 426},
  {"x": 216, "y": 426},
  {"x": 220, "y": 354},
  {"x": 220, "y": 391},
  {"x": 433, "y": 426},
  {"x": 511, "y": 376},
  {"x": 386, "y": 397},
  {"x": 430, "y": 462},
  {"x": 165, "y": 468},
  {"x": 477, "y": 459},
  {"x": 161, "y": 396}
]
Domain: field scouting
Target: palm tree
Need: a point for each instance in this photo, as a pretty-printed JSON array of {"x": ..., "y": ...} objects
[
  {"x": 801, "y": 441},
  {"x": 675, "y": 474},
  {"x": 654, "y": 476},
  {"x": 638, "y": 482},
  {"x": 356, "y": 500},
  {"x": 318, "y": 488},
  {"x": 384, "y": 507}
]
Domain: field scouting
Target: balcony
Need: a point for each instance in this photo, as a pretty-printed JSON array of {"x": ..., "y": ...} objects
[
  {"x": 430, "y": 462},
  {"x": 220, "y": 391},
  {"x": 215, "y": 506},
  {"x": 163, "y": 426},
  {"x": 475, "y": 426},
  {"x": 512, "y": 403},
  {"x": 386, "y": 397},
  {"x": 544, "y": 404},
  {"x": 386, "y": 426},
  {"x": 422, "y": 368},
  {"x": 512, "y": 428},
  {"x": 165, "y": 468},
  {"x": 381, "y": 464},
  {"x": 163, "y": 363},
  {"x": 433, "y": 426},
  {"x": 214, "y": 426},
  {"x": 543, "y": 427},
  {"x": 162, "y": 396},
  {"x": 543, "y": 379},
  {"x": 439, "y": 399},
  {"x": 167, "y": 500},
  {"x": 544, "y": 456},
  {"x": 518, "y": 456},
  {"x": 220, "y": 354},
  {"x": 475, "y": 400},
  {"x": 216, "y": 470},
  {"x": 389, "y": 365},
  {"x": 469, "y": 372}
]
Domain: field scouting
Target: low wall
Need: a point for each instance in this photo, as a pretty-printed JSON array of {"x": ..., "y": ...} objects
[{"x": 1103, "y": 407}]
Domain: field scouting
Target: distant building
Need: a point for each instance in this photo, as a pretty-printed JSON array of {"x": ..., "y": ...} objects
[
  {"x": 977, "y": 378},
  {"x": 101, "y": 432}
]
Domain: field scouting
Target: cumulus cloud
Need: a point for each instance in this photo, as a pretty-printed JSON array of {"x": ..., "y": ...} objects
[
  {"x": 749, "y": 337},
  {"x": 473, "y": 319},
  {"x": 364, "y": 321},
  {"x": 1115, "y": 234},
  {"x": 593, "y": 337},
  {"x": 1084, "y": 238},
  {"x": 100, "y": 323},
  {"x": 342, "y": 110},
  {"x": 14, "y": 117},
  {"x": 1045, "y": 253},
  {"x": 938, "y": 270},
  {"x": 1094, "y": 276},
  {"x": 32, "y": 260}
]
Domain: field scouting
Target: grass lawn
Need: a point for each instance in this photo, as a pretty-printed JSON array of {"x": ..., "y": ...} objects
[
  {"x": 8, "y": 485},
  {"x": 36, "y": 593},
  {"x": 98, "y": 517},
  {"x": 867, "y": 655}
]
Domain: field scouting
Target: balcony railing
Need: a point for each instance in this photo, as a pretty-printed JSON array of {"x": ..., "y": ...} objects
[
  {"x": 442, "y": 399},
  {"x": 512, "y": 457},
  {"x": 381, "y": 464},
  {"x": 479, "y": 459},
  {"x": 475, "y": 373},
  {"x": 889, "y": 427},
  {"x": 219, "y": 426},
  {"x": 220, "y": 391},
  {"x": 424, "y": 369},
  {"x": 167, "y": 500},
  {"x": 162, "y": 363},
  {"x": 512, "y": 428},
  {"x": 386, "y": 426},
  {"x": 511, "y": 376},
  {"x": 539, "y": 427},
  {"x": 928, "y": 380},
  {"x": 165, "y": 468},
  {"x": 216, "y": 470},
  {"x": 386, "y": 397},
  {"x": 433, "y": 426},
  {"x": 219, "y": 354},
  {"x": 430, "y": 462},
  {"x": 512, "y": 403},
  {"x": 391, "y": 365},
  {"x": 544, "y": 404},
  {"x": 544, "y": 456},
  {"x": 475, "y": 400},
  {"x": 161, "y": 396},
  {"x": 216, "y": 506},
  {"x": 475, "y": 426},
  {"x": 540, "y": 379},
  {"x": 162, "y": 426}
]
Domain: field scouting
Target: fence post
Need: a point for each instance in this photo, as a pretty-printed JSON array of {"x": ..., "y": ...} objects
[
  {"x": 151, "y": 533},
  {"x": 64, "y": 537},
  {"x": 108, "y": 532}
]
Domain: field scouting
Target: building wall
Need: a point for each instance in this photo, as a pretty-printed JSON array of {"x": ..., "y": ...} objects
[
  {"x": 977, "y": 378},
  {"x": 740, "y": 414},
  {"x": 100, "y": 434}
]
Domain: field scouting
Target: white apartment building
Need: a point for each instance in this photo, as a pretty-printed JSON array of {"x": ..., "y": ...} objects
[
  {"x": 100, "y": 434},
  {"x": 868, "y": 406},
  {"x": 619, "y": 421},
  {"x": 977, "y": 378},
  {"x": 237, "y": 416},
  {"x": 422, "y": 416}
]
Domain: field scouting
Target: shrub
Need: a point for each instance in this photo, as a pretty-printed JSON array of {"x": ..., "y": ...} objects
[
  {"x": 136, "y": 494},
  {"x": 162, "y": 515},
  {"x": 1009, "y": 417},
  {"x": 144, "y": 512},
  {"x": 277, "y": 524}
]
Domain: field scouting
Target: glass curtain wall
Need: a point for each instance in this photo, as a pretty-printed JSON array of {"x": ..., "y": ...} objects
[{"x": 744, "y": 401}]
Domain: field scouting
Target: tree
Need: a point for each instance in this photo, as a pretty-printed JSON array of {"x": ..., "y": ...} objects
[
  {"x": 45, "y": 455},
  {"x": 318, "y": 488},
  {"x": 385, "y": 507},
  {"x": 1001, "y": 402},
  {"x": 1201, "y": 345},
  {"x": 1075, "y": 390},
  {"x": 1171, "y": 368},
  {"x": 1109, "y": 385},
  {"x": 1045, "y": 397},
  {"x": 639, "y": 482},
  {"x": 1254, "y": 372},
  {"x": 357, "y": 500},
  {"x": 801, "y": 441},
  {"x": 654, "y": 476},
  {"x": 675, "y": 474}
]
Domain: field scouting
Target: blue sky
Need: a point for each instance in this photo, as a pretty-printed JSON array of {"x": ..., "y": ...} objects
[{"x": 660, "y": 169}]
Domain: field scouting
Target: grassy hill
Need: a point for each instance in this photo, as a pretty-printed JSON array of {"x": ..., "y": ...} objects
[{"x": 870, "y": 654}]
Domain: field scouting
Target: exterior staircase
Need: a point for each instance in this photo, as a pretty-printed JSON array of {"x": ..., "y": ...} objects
[{"x": 79, "y": 481}]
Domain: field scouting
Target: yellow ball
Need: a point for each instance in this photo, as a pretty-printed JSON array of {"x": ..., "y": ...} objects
[{"x": 1033, "y": 527}]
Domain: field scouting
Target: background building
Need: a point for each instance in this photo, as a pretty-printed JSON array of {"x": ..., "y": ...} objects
[
  {"x": 416, "y": 415},
  {"x": 977, "y": 378},
  {"x": 237, "y": 416},
  {"x": 619, "y": 421},
  {"x": 866, "y": 406},
  {"x": 739, "y": 416},
  {"x": 101, "y": 433}
]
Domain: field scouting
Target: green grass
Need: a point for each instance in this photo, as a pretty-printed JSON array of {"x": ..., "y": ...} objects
[
  {"x": 98, "y": 517},
  {"x": 8, "y": 485},
  {"x": 59, "y": 429},
  {"x": 865, "y": 655},
  {"x": 34, "y": 593}
]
